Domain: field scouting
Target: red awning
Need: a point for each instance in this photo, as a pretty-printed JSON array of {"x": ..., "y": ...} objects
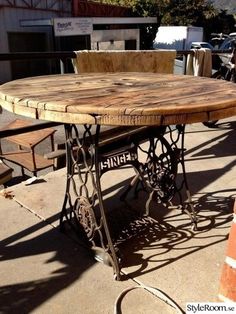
[{"x": 90, "y": 9}]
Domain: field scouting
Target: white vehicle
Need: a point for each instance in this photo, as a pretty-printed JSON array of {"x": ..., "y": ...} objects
[
  {"x": 177, "y": 37},
  {"x": 201, "y": 44}
]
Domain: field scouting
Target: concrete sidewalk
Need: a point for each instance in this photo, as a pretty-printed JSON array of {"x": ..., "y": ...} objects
[{"x": 45, "y": 271}]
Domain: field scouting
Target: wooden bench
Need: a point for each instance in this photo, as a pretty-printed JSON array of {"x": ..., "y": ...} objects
[{"x": 25, "y": 155}]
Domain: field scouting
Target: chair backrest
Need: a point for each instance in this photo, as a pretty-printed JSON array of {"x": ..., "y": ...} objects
[{"x": 156, "y": 61}]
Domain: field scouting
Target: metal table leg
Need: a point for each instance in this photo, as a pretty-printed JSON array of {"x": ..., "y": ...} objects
[
  {"x": 83, "y": 191},
  {"x": 83, "y": 203},
  {"x": 164, "y": 154}
]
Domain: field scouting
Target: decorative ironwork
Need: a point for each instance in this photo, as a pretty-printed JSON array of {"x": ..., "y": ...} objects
[
  {"x": 160, "y": 169},
  {"x": 159, "y": 172},
  {"x": 83, "y": 204},
  {"x": 86, "y": 163}
]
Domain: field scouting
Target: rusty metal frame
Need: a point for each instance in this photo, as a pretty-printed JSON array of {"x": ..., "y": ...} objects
[{"x": 83, "y": 206}]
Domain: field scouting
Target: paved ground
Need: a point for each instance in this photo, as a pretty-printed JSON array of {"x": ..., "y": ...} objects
[{"x": 45, "y": 271}]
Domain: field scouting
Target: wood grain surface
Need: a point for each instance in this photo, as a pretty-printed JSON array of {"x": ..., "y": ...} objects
[{"x": 120, "y": 98}]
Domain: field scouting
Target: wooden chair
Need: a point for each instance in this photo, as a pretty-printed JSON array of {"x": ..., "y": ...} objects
[
  {"x": 25, "y": 155},
  {"x": 154, "y": 61},
  {"x": 5, "y": 173}
]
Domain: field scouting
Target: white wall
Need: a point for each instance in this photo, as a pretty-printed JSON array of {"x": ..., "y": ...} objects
[
  {"x": 103, "y": 38},
  {"x": 10, "y": 22}
]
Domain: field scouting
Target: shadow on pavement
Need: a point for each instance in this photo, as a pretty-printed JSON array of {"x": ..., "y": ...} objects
[{"x": 24, "y": 297}]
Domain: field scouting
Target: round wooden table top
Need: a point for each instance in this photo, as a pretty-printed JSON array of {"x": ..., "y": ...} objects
[{"x": 120, "y": 98}]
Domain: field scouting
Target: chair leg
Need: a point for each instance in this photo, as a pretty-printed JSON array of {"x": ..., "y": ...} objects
[{"x": 22, "y": 171}]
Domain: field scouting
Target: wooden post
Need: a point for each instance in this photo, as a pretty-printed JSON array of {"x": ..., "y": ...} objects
[{"x": 227, "y": 291}]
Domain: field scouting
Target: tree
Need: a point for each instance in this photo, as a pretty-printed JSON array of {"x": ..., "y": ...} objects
[
  {"x": 169, "y": 12},
  {"x": 196, "y": 13},
  {"x": 184, "y": 12},
  {"x": 223, "y": 23},
  {"x": 178, "y": 12}
]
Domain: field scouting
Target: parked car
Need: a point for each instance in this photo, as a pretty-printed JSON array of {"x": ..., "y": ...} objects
[
  {"x": 228, "y": 43},
  {"x": 201, "y": 44}
]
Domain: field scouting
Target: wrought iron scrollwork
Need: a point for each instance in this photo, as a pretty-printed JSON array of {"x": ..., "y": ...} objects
[
  {"x": 80, "y": 199},
  {"x": 158, "y": 172},
  {"x": 160, "y": 169},
  {"x": 85, "y": 215},
  {"x": 83, "y": 204}
]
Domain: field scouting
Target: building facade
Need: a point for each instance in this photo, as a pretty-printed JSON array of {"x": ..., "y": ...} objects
[{"x": 30, "y": 26}]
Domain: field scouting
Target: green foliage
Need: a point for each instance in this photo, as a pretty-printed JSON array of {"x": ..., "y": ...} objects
[
  {"x": 220, "y": 23},
  {"x": 170, "y": 12},
  {"x": 178, "y": 12},
  {"x": 184, "y": 12}
]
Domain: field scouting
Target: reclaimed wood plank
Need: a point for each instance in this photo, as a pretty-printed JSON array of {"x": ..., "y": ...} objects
[{"x": 120, "y": 98}]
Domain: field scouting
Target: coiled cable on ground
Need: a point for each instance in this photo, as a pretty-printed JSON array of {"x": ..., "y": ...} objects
[{"x": 157, "y": 292}]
